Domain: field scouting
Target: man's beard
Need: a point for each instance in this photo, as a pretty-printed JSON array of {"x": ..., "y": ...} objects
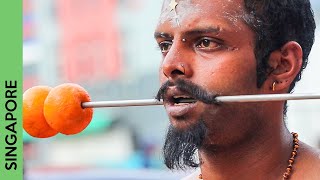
[{"x": 181, "y": 145}]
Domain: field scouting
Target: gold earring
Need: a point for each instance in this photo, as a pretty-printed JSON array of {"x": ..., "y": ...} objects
[{"x": 273, "y": 86}]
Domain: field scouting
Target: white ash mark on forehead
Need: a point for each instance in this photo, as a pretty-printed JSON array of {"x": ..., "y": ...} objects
[
  {"x": 240, "y": 15},
  {"x": 184, "y": 9},
  {"x": 187, "y": 8},
  {"x": 235, "y": 16},
  {"x": 234, "y": 19},
  {"x": 167, "y": 14}
]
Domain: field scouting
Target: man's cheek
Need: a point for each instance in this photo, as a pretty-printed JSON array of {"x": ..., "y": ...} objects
[{"x": 162, "y": 78}]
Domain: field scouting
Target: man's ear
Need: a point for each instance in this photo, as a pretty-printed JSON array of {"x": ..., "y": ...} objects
[{"x": 285, "y": 64}]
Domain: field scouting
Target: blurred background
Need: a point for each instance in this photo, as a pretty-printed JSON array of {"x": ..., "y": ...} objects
[{"x": 107, "y": 47}]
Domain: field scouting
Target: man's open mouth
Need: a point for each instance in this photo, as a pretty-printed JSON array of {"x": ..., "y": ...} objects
[
  {"x": 180, "y": 105},
  {"x": 182, "y": 100}
]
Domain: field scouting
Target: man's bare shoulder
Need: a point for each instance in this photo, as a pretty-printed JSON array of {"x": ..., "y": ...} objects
[{"x": 307, "y": 165}]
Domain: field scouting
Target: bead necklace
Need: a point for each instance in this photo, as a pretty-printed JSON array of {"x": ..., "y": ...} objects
[{"x": 294, "y": 153}]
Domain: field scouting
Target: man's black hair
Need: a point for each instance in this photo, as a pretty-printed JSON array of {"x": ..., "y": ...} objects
[{"x": 275, "y": 23}]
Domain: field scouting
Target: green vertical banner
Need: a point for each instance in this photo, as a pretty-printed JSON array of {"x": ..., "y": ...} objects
[{"x": 11, "y": 144}]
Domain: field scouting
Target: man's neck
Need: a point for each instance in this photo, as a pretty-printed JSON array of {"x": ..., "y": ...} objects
[{"x": 263, "y": 157}]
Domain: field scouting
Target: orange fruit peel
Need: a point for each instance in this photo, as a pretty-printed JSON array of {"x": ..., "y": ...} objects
[
  {"x": 63, "y": 111},
  {"x": 34, "y": 122}
]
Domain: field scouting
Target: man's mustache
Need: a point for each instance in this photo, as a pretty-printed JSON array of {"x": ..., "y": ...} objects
[{"x": 197, "y": 92}]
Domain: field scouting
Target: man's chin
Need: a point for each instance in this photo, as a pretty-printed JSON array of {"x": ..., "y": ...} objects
[
  {"x": 183, "y": 122},
  {"x": 182, "y": 142}
]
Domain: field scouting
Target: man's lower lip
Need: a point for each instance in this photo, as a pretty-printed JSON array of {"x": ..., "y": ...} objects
[{"x": 179, "y": 110}]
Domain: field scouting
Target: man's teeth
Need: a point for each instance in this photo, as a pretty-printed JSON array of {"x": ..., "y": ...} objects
[
  {"x": 176, "y": 97},
  {"x": 181, "y": 99}
]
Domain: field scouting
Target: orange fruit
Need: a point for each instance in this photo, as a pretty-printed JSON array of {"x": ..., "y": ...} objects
[
  {"x": 63, "y": 110},
  {"x": 34, "y": 122}
]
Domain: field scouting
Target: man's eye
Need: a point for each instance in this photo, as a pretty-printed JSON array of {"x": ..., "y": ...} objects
[
  {"x": 207, "y": 44},
  {"x": 165, "y": 46}
]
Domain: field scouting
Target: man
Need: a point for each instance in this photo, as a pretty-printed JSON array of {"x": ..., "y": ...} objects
[{"x": 234, "y": 47}]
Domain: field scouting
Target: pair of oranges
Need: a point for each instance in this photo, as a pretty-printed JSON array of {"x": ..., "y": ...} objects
[{"x": 48, "y": 111}]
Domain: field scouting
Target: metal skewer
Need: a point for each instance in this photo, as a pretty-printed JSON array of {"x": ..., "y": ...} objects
[{"x": 238, "y": 98}]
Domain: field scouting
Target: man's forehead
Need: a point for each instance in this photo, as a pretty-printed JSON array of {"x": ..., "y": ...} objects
[
  {"x": 229, "y": 10},
  {"x": 166, "y": 6}
]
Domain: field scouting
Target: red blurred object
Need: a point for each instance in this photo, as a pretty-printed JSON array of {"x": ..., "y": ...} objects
[
  {"x": 29, "y": 81},
  {"x": 28, "y": 21},
  {"x": 89, "y": 48}
]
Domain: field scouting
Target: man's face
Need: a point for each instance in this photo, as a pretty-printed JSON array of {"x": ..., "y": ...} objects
[
  {"x": 212, "y": 47},
  {"x": 207, "y": 50},
  {"x": 207, "y": 43}
]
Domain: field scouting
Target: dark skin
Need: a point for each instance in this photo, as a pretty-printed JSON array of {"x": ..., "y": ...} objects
[{"x": 214, "y": 48}]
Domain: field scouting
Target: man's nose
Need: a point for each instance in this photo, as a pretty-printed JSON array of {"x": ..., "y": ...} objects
[{"x": 176, "y": 64}]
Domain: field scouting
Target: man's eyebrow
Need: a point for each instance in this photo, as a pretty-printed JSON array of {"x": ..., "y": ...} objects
[
  {"x": 206, "y": 30},
  {"x": 162, "y": 35}
]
